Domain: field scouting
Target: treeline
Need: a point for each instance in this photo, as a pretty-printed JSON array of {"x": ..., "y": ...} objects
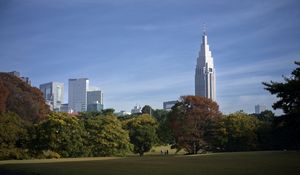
[
  {"x": 65, "y": 135},
  {"x": 28, "y": 129}
]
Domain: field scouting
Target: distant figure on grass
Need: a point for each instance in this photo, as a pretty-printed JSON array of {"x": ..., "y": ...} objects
[{"x": 161, "y": 152}]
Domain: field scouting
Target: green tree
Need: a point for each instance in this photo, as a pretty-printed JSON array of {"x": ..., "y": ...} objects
[
  {"x": 287, "y": 127},
  {"x": 106, "y": 137},
  {"x": 163, "y": 131},
  {"x": 192, "y": 121},
  {"x": 240, "y": 132},
  {"x": 288, "y": 93},
  {"x": 142, "y": 132},
  {"x": 265, "y": 130},
  {"x": 147, "y": 110},
  {"x": 13, "y": 136},
  {"x": 60, "y": 133},
  {"x": 109, "y": 111}
]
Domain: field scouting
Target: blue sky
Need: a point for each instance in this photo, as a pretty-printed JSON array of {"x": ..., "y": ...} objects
[{"x": 144, "y": 52}]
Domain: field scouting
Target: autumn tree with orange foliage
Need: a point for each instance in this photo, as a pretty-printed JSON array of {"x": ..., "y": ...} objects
[
  {"x": 193, "y": 122},
  {"x": 18, "y": 97}
]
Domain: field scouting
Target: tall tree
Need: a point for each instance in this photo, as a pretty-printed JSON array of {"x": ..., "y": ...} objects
[
  {"x": 287, "y": 127},
  {"x": 192, "y": 121},
  {"x": 19, "y": 97},
  {"x": 288, "y": 93},
  {"x": 142, "y": 132},
  {"x": 240, "y": 132},
  {"x": 163, "y": 131},
  {"x": 60, "y": 133},
  {"x": 106, "y": 137}
]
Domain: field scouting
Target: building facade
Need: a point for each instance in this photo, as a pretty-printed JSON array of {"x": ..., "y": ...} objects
[
  {"x": 53, "y": 93},
  {"x": 205, "y": 76},
  {"x": 94, "y": 96},
  {"x": 78, "y": 94},
  {"x": 168, "y": 105},
  {"x": 94, "y": 99}
]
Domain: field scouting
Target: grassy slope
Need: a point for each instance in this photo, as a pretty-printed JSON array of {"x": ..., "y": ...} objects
[{"x": 287, "y": 163}]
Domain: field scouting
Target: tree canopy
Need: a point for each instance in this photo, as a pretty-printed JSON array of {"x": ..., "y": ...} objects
[
  {"x": 287, "y": 127},
  {"x": 19, "y": 97},
  {"x": 192, "y": 122},
  {"x": 288, "y": 93},
  {"x": 106, "y": 137},
  {"x": 142, "y": 132}
]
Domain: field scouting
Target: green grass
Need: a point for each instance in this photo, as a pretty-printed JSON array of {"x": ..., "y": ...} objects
[{"x": 266, "y": 163}]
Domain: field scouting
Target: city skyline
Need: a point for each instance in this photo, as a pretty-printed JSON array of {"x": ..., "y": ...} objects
[{"x": 144, "y": 52}]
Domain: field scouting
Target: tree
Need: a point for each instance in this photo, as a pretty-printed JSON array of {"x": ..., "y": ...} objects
[
  {"x": 287, "y": 127},
  {"x": 192, "y": 121},
  {"x": 288, "y": 93},
  {"x": 163, "y": 131},
  {"x": 106, "y": 137},
  {"x": 240, "y": 132},
  {"x": 147, "y": 110},
  {"x": 19, "y": 97},
  {"x": 60, "y": 133},
  {"x": 13, "y": 136},
  {"x": 264, "y": 131},
  {"x": 3, "y": 96},
  {"x": 142, "y": 132},
  {"x": 109, "y": 111}
]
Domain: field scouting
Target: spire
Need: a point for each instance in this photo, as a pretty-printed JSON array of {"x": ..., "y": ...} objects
[
  {"x": 204, "y": 37},
  {"x": 204, "y": 29}
]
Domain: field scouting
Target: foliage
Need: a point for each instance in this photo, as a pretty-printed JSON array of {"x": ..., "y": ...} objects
[
  {"x": 106, "y": 137},
  {"x": 3, "y": 96},
  {"x": 13, "y": 136},
  {"x": 142, "y": 132},
  {"x": 240, "y": 132},
  {"x": 163, "y": 131},
  {"x": 109, "y": 111},
  {"x": 89, "y": 114},
  {"x": 264, "y": 132},
  {"x": 286, "y": 128},
  {"x": 61, "y": 133},
  {"x": 288, "y": 93},
  {"x": 192, "y": 121},
  {"x": 147, "y": 110},
  {"x": 19, "y": 97}
]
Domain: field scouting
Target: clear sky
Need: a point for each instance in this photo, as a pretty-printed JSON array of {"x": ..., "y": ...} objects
[{"x": 144, "y": 52}]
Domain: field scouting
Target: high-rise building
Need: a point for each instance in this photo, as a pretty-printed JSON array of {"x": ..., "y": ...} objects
[
  {"x": 94, "y": 96},
  {"x": 259, "y": 108},
  {"x": 94, "y": 99},
  {"x": 53, "y": 93},
  {"x": 78, "y": 94},
  {"x": 95, "y": 107},
  {"x": 168, "y": 105},
  {"x": 205, "y": 76}
]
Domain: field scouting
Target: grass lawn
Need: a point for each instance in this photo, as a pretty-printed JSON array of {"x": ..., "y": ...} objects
[{"x": 266, "y": 163}]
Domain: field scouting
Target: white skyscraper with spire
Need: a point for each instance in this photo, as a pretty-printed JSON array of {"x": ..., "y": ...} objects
[{"x": 205, "y": 76}]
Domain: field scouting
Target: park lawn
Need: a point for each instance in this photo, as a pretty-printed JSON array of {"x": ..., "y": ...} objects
[{"x": 266, "y": 163}]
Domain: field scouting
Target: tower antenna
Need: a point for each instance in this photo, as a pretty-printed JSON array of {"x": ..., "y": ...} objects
[{"x": 204, "y": 28}]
